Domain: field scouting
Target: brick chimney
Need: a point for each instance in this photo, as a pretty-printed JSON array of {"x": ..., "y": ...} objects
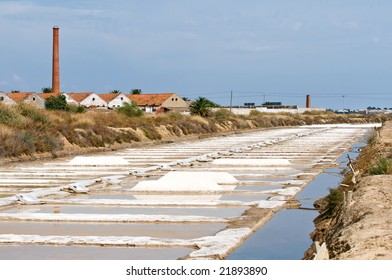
[
  {"x": 56, "y": 61},
  {"x": 308, "y": 101}
]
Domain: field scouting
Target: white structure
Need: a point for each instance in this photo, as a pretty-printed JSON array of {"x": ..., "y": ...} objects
[
  {"x": 86, "y": 99},
  {"x": 115, "y": 100},
  {"x": 246, "y": 111},
  {"x": 5, "y": 99}
]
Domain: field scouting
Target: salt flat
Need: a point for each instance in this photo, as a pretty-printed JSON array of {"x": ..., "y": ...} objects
[{"x": 273, "y": 164}]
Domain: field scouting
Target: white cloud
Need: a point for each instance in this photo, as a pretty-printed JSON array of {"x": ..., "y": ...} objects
[
  {"x": 253, "y": 47},
  {"x": 18, "y": 79},
  {"x": 33, "y": 11},
  {"x": 290, "y": 24},
  {"x": 350, "y": 24},
  {"x": 376, "y": 39}
]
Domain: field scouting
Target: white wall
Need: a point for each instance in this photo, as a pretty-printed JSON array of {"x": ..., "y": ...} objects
[
  {"x": 119, "y": 101},
  {"x": 246, "y": 111},
  {"x": 93, "y": 100}
]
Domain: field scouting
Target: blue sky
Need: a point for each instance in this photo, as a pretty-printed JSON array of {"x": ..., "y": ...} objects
[{"x": 339, "y": 52}]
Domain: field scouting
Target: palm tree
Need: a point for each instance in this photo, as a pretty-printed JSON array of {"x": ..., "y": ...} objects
[
  {"x": 115, "y": 91},
  {"x": 136, "y": 91},
  {"x": 202, "y": 107},
  {"x": 46, "y": 89}
]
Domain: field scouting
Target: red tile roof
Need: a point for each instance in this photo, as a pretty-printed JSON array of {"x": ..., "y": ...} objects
[
  {"x": 47, "y": 95},
  {"x": 108, "y": 96},
  {"x": 153, "y": 99},
  {"x": 19, "y": 96},
  {"x": 79, "y": 96}
]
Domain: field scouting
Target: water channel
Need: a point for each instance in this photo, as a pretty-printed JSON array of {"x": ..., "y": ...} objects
[
  {"x": 212, "y": 207},
  {"x": 286, "y": 235}
]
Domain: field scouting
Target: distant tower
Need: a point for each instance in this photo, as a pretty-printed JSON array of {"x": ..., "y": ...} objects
[
  {"x": 56, "y": 61},
  {"x": 308, "y": 101}
]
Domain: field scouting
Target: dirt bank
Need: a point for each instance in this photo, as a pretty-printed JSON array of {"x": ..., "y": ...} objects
[
  {"x": 37, "y": 134},
  {"x": 360, "y": 228}
]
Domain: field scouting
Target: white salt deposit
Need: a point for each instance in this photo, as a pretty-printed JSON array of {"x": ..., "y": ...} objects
[
  {"x": 269, "y": 204},
  {"x": 100, "y": 160},
  {"x": 251, "y": 161},
  {"x": 177, "y": 186},
  {"x": 118, "y": 218},
  {"x": 189, "y": 181},
  {"x": 220, "y": 244}
]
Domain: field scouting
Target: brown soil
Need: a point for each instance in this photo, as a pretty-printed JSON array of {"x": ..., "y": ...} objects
[{"x": 362, "y": 229}]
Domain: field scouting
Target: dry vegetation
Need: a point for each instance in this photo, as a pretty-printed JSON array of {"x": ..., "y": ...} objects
[
  {"x": 26, "y": 131},
  {"x": 374, "y": 159}
]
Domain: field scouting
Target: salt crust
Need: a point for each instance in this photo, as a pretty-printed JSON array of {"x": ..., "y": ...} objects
[
  {"x": 189, "y": 181},
  {"x": 123, "y": 218},
  {"x": 101, "y": 160},
  {"x": 251, "y": 161}
]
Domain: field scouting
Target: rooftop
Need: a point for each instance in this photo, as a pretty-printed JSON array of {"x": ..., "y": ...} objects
[{"x": 152, "y": 99}]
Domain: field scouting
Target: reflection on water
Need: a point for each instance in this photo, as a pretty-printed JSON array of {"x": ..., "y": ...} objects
[
  {"x": 36, "y": 252},
  {"x": 286, "y": 236},
  {"x": 222, "y": 212},
  {"x": 182, "y": 231},
  {"x": 282, "y": 238}
]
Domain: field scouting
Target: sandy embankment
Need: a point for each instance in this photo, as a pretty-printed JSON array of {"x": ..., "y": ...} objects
[{"x": 363, "y": 229}]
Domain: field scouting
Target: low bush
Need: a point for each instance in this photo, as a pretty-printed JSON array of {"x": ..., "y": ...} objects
[
  {"x": 382, "y": 166},
  {"x": 32, "y": 112},
  {"x": 371, "y": 138},
  {"x": 151, "y": 133},
  {"x": 130, "y": 110},
  {"x": 10, "y": 117},
  {"x": 334, "y": 202},
  {"x": 58, "y": 102}
]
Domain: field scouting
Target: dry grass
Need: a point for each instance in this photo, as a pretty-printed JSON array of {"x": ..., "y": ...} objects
[{"x": 27, "y": 130}]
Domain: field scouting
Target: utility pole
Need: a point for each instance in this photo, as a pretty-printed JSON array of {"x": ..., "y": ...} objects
[{"x": 231, "y": 99}]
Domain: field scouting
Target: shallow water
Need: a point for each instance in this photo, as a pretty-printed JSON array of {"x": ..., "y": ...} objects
[
  {"x": 282, "y": 238},
  {"x": 37, "y": 252},
  {"x": 181, "y": 231},
  {"x": 286, "y": 235},
  {"x": 222, "y": 212}
]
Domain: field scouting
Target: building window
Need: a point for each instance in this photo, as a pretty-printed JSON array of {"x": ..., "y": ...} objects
[
  {"x": 1, "y": 98},
  {"x": 122, "y": 98},
  {"x": 172, "y": 99},
  {"x": 33, "y": 98},
  {"x": 176, "y": 99},
  {"x": 93, "y": 98}
]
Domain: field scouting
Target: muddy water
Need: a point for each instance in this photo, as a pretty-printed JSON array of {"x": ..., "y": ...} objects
[{"x": 286, "y": 236}]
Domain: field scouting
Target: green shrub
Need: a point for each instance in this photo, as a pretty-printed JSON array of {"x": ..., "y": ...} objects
[
  {"x": 32, "y": 112},
  {"x": 383, "y": 166},
  {"x": 130, "y": 110},
  {"x": 10, "y": 117},
  {"x": 77, "y": 109},
  {"x": 58, "y": 102},
  {"x": 334, "y": 201}
]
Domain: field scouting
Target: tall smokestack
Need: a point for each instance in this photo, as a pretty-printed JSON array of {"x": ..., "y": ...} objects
[
  {"x": 308, "y": 101},
  {"x": 56, "y": 61}
]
